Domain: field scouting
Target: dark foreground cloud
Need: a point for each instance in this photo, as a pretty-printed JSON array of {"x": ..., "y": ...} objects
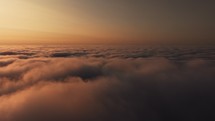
[{"x": 99, "y": 89}]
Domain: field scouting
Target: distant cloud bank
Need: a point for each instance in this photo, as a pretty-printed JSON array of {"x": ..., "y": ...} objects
[{"x": 177, "y": 53}]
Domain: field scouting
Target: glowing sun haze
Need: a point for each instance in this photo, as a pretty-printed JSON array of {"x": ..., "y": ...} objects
[{"x": 106, "y": 21}]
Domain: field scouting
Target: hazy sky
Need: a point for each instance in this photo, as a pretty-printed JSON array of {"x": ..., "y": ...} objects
[{"x": 107, "y": 21}]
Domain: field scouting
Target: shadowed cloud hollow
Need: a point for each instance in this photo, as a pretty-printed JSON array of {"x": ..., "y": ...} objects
[{"x": 99, "y": 89}]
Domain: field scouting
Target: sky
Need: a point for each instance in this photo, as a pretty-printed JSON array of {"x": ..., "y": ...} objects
[{"x": 107, "y": 22}]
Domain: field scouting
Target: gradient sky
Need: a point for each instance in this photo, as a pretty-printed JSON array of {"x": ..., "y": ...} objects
[{"x": 107, "y": 21}]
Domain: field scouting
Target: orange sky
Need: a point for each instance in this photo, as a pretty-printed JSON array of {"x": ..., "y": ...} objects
[
  {"x": 63, "y": 21},
  {"x": 25, "y": 22}
]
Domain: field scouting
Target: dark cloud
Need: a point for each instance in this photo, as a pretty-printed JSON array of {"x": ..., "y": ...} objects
[
  {"x": 68, "y": 54},
  {"x": 102, "y": 89},
  {"x": 6, "y": 62}
]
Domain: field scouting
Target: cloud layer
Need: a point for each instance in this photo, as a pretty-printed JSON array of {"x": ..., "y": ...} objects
[
  {"x": 106, "y": 89},
  {"x": 177, "y": 53}
]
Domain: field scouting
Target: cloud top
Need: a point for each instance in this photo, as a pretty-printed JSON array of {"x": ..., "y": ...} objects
[{"x": 106, "y": 89}]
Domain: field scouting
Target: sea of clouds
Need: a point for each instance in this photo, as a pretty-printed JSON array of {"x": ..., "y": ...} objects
[{"x": 96, "y": 83}]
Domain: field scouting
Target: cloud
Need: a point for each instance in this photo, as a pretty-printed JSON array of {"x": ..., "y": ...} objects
[
  {"x": 5, "y": 62},
  {"x": 102, "y": 89},
  {"x": 68, "y": 54},
  {"x": 179, "y": 53}
]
